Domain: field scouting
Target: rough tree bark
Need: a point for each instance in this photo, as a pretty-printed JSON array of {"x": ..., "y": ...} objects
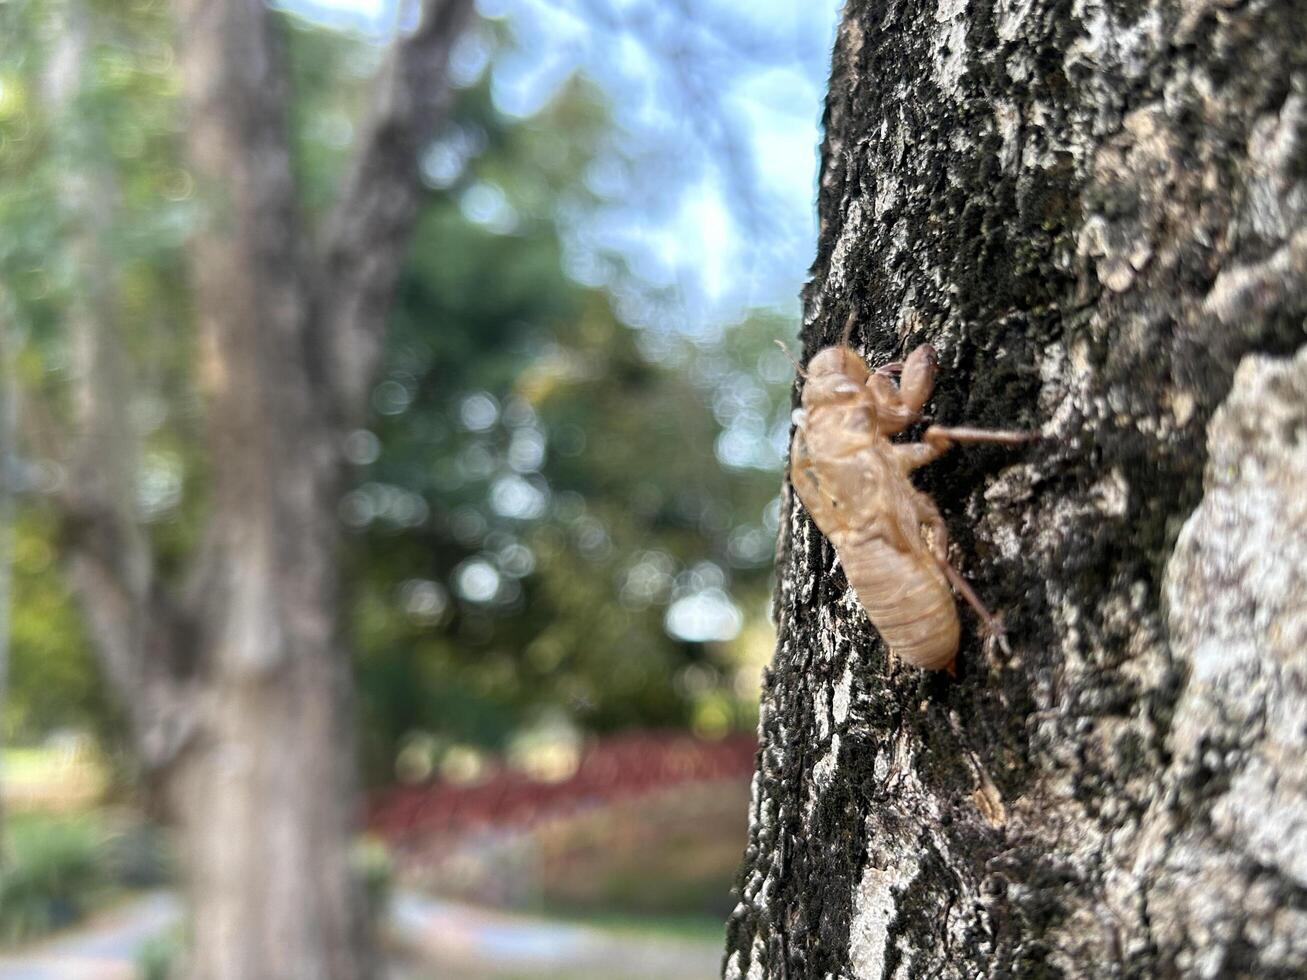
[
  {"x": 1098, "y": 213},
  {"x": 238, "y": 681}
]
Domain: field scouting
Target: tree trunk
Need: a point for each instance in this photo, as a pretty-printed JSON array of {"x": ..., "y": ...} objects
[
  {"x": 267, "y": 813},
  {"x": 237, "y": 680},
  {"x": 1097, "y": 213},
  {"x": 265, "y": 796}
]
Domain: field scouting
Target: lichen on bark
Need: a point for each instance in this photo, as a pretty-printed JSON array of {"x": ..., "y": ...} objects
[
  {"x": 1231, "y": 814},
  {"x": 1096, "y": 212}
]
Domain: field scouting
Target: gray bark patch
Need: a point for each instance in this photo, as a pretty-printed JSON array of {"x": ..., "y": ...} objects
[{"x": 1223, "y": 857}]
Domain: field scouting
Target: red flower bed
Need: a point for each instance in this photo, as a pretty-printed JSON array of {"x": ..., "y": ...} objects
[{"x": 616, "y": 768}]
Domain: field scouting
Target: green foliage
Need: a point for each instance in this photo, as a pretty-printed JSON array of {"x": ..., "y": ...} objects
[
  {"x": 94, "y": 122},
  {"x": 543, "y": 482},
  {"x": 54, "y": 872},
  {"x": 373, "y": 863},
  {"x": 53, "y": 683},
  {"x": 159, "y": 957}
]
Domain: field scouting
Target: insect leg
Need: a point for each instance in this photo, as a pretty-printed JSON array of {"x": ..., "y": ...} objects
[
  {"x": 910, "y": 455},
  {"x": 918, "y": 379},
  {"x": 930, "y": 516},
  {"x": 993, "y": 624},
  {"x": 944, "y": 436},
  {"x": 898, "y": 407},
  {"x": 939, "y": 440}
]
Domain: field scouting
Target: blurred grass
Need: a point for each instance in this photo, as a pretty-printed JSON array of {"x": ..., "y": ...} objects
[
  {"x": 55, "y": 873},
  {"x": 62, "y": 866},
  {"x": 158, "y": 959}
]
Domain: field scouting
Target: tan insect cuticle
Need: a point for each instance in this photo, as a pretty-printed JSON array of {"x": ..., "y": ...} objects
[{"x": 889, "y": 536}]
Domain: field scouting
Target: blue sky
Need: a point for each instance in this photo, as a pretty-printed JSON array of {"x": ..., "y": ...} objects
[{"x": 717, "y": 249}]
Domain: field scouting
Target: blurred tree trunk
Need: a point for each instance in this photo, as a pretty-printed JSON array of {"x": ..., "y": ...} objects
[
  {"x": 238, "y": 682},
  {"x": 8, "y": 491},
  {"x": 266, "y": 795},
  {"x": 1098, "y": 214}
]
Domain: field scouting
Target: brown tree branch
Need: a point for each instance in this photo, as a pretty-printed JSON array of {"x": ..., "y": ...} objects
[{"x": 368, "y": 234}]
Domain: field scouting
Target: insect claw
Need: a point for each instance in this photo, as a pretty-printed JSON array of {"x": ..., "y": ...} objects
[{"x": 995, "y": 633}]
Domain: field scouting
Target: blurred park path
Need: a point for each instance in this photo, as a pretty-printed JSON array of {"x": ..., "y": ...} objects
[
  {"x": 436, "y": 937},
  {"x": 104, "y": 948},
  {"x": 467, "y": 942},
  {"x": 633, "y": 820}
]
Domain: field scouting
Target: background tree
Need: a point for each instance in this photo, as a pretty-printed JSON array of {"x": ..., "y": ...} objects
[
  {"x": 540, "y": 511},
  {"x": 571, "y": 390},
  {"x": 1096, "y": 215},
  {"x": 232, "y": 665},
  {"x": 555, "y": 519}
]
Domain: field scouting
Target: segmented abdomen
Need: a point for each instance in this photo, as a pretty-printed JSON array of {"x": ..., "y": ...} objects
[{"x": 907, "y": 599}]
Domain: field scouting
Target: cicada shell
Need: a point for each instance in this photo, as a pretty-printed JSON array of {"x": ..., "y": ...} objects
[{"x": 854, "y": 482}]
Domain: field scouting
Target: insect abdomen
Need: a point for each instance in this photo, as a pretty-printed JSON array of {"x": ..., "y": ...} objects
[{"x": 908, "y": 601}]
